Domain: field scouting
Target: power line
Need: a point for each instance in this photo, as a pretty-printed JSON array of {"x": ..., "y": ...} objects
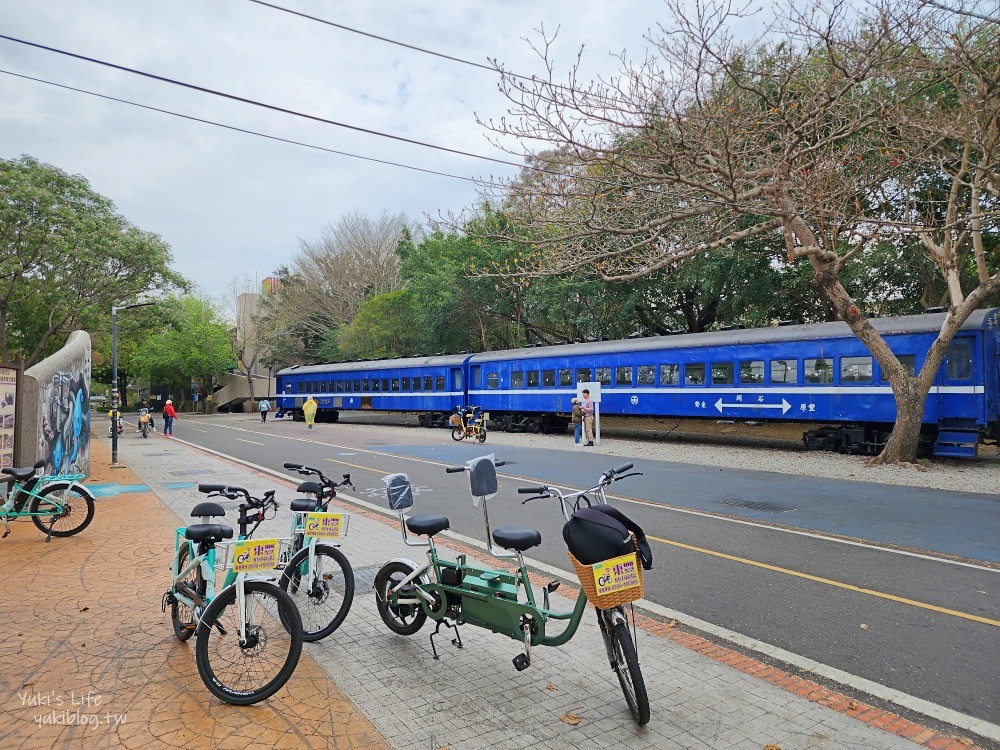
[
  {"x": 263, "y": 105},
  {"x": 238, "y": 129}
]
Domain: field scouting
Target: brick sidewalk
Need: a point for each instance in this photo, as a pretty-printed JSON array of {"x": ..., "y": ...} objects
[{"x": 88, "y": 661}]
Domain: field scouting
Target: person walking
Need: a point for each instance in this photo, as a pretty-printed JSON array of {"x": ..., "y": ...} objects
[
  {"x": 577, "y": 420},
  {"x": 588, "y": 417},
  {"x": 265, "y": 407},
  {"x": 169, "y": 415},
  {"x": 309, "y": 410}
]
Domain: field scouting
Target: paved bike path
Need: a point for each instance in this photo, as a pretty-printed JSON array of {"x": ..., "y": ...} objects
[
  {"x": 88, "y": 661},
  {"x": 702, "y": 696}
]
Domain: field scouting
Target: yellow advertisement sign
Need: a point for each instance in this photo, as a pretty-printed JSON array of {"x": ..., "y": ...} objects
[
  {"x": 616, "y": 574},
  {"x": 255, "y": 554},
  {"x": 326, "y": 525}
]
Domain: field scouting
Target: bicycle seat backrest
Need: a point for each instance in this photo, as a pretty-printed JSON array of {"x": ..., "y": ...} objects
[
  {"x": 397, "y": 487},
  {"x": 205, "y": 511},
  {"x": 483, "y": 476},
  {"x": 312, "y": 488}
]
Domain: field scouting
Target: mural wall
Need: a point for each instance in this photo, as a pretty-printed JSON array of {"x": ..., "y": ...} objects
[{"x": 57, "y": 401}]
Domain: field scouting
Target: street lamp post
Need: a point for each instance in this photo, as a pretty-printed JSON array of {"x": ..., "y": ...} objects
[{"x": 114, "y": 375}]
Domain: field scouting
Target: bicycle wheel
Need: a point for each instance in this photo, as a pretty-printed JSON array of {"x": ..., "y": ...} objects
[
  {"x": 405, "y": 619},
  {"x": 323, "y": 593},
  {"x": 296, "y": 574},
  {"x": 181, "y": 615},
  {"x": 68, "y": 510},
  {"x": 246, "y": 673},
  {"x": 145, "y": 431},
  {"x": 458, "y": 434},
  {"x": 626, "y": 665},
  {"x": 481, "y": 437}
]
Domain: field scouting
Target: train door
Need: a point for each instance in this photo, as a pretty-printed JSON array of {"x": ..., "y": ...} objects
[{"x": 457, "y": 387}]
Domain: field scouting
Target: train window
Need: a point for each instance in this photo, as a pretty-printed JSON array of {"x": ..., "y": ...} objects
[
  {"x": 566, "y": 377},
  {"x": 959, "y": 360},
  {"x": 385, "y": 385},
  {"x": 302, "y": 387},
  {"x": 492, "y": 380},
  {"x": 645, "y": 375},
  {"x": 347, "y": 386},
  {"x": 855, "y": 369},
  {"x": 458, "y": 380},
  {"x": 670, "y": 374},
  {"x": 428, "y": 383},
  {"x": 533, "y": 378},
  {"x": 583, "y": 375},
  {"x": 784, "y": 371},
  {"x": 340, "y": 386},
  {"x": 517, "y": 380},
  {"x": 548, "y": 378},
  {"x": 406, "y": 385},
  {"x": 818, "y": 370},
  {"x": 909, "y": 361},
  {"x": 366, "y": 384},
  {"x": 439, "y": 383},
  {"x": 375, "y": 385},
  {"x": 417, "y": 385},
  {"x": 722, "y": 373},
  {"x": 395, "y": 385},
  {"x": 477, "y": 377},
  {"x": 357, "y": 386},
  {"x": 324, "y": 386},
  {"x": 603, "y": 375},
  {"x": 694, "y": 374},
  {"x": 752, "y": 371},
  {"x": 623, "y": 376}
]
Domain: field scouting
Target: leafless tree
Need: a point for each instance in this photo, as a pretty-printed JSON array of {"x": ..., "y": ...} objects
[{"x": 808, "y": 133}]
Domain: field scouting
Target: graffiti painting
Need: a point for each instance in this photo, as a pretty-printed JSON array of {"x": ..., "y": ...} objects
[{"x": 64, "y": 434}]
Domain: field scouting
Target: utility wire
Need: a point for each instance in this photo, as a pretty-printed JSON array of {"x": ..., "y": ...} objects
[
  {"x": 263, "y": 105},
  {"x": 237, "y": 129}
]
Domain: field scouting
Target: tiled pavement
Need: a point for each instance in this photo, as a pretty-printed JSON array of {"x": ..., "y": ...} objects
[{"x": 469, "y": 699}]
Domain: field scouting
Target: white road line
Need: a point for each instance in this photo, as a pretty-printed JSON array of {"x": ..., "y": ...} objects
[{"x": 663, "y": 506}]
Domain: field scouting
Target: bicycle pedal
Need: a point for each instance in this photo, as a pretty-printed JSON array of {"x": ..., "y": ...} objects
[{"x": 521, "y": 662}]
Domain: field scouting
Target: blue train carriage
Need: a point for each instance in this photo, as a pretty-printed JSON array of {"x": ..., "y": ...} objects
[
  {"x": 430, "y": 386},
  {"x": 810, "y": 373}
]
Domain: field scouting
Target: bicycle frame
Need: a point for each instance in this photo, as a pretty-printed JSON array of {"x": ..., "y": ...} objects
[{"x": 20, "y": 494}]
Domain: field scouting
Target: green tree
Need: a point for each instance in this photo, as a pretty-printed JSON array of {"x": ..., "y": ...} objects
[
  {"x": 66, "y": 257},
  {"x": 194, "y": 343}
]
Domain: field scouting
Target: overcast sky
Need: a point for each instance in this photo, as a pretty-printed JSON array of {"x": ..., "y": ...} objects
[{"x": 229, "y": 203}]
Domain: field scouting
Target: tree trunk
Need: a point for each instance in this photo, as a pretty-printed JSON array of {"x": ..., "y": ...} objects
[{"x": 905, "y": 438}]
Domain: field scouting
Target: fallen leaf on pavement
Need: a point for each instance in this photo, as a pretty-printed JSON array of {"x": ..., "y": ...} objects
[
  {"x": 672, "y": 623},
  {"x": 864, "y": 627},
  {"x": 571, "y": 719},
  {"x": 771, "y": 747},
  {"x": 85, "y": 609},
  {"x": 852, "y": 706},
  {"x": 550, "y": 686}
]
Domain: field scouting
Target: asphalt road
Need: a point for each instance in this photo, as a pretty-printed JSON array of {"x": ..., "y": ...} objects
[{"x": 918, "y": 623}]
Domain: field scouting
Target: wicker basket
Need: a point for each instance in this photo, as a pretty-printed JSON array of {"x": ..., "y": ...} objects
[
  {"x": 615, "y": 599},
  {"x": 455, "y": 421}
]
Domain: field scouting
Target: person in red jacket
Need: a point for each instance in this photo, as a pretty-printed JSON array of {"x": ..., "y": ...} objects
[{"x": 169, "y": 415}]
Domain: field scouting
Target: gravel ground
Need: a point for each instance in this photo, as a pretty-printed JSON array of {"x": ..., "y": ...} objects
[{"x": 981, "y": 475}]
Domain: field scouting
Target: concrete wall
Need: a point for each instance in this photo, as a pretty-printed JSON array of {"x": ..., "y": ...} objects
[{"x": 54, "y": 412}]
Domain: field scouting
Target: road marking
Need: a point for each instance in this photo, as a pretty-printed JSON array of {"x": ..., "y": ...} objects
[
  {"x": 249, "y": 441},
  {"x": 828, "y": 581},
  {"x": 647, "y": 503},
  {"x": 197, "y": 430}
]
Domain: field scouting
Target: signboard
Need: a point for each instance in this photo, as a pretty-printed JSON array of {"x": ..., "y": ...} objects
[
  {"x": 594, "y": 388},
  {"x": 326, "y": 525},
  {"x": 616, "y": 574},
  {"x": 255, "y": 554},
  {"x": 8, "y": 413}
]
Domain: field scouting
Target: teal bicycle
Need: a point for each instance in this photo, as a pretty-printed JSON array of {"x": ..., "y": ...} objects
[
  {"x": 318, "y": 576},
  {"x": 58, "y": 504},
  {"x": 250, "y": 633}
]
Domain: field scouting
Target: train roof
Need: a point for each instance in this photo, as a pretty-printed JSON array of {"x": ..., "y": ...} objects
[
  {"x": 443, "y": 360},
  {"x": 903, "y": 324}
]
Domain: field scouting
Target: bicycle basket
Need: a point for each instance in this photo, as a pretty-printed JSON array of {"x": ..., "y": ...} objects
[
  {"x": 611, "y": 583},
  {"x": 455, "y": 421}
]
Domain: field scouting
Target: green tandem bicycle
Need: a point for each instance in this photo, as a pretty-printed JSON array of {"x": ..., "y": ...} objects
[
  {"x": 58, "y": 504},
  {"x": 457, "y": 593}
]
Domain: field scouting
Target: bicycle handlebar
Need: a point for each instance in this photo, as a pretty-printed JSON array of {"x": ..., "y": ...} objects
[
  {"x": 290, "y": 465},
  {"x": 531, "y": 490},
  {"x": 454, "y": 469},
  {"x": 622, "y": 469},
  {"x": 206, "y": 488}
]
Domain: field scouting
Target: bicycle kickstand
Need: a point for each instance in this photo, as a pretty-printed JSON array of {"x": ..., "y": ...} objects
[
  {"x": 52, "y": 523},
  {"x": 6, "y": 527},
  {"x": 456, "y": 641}
]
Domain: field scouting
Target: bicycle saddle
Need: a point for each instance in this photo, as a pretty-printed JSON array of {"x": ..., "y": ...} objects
[
  {"x": 303, "y": 505},
  {"x": 516, "y": 538},
  {"x": 427, "y": 523},
  {"x": 26, "y": 473},
  {"x": 207, "y": 509},
  {"x": 208, "y": 532}
]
